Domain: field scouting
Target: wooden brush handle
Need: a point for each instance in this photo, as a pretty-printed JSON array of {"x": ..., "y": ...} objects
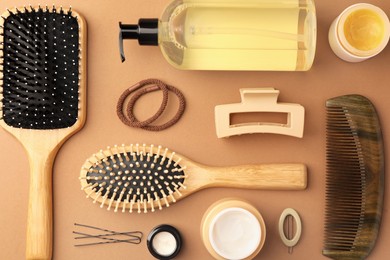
[
  {"x": 40, "y": 208},
  {"x": 266, "y": 176}
]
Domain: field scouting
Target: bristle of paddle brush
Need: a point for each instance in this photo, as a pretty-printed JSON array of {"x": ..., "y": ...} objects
[
  {"x": 139, "y": 177},
  {"x": 355, "y": 178},
  {"x": 42, "y": 99}
]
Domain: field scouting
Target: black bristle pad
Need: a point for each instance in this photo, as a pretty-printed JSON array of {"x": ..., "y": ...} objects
[
  {"x": 135, "y": 176},
  {"x": 41, "y": 70}
]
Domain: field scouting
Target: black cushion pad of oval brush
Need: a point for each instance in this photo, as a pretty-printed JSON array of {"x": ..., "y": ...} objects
[{"x": 40, "y": 69}]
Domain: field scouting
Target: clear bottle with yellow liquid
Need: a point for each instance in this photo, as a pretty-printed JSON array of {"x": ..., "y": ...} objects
[{"x": 272, "y": 35}]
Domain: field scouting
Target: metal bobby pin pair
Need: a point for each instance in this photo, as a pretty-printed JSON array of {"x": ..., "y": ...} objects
[{"x": 109, "y": 237}]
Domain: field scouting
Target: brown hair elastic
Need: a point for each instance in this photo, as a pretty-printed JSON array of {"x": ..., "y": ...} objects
[{"x": 142, "y": 88}]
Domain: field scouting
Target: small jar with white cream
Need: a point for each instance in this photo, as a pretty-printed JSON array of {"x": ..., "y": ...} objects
[
  {"x": 164, "y": 242},
  {"x": 233, "y": 229}
]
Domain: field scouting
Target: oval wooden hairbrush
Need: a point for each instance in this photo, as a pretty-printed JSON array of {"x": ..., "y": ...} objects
[
  {"x": 42, "y": 100},
  {"x": 144, "y": 177}
]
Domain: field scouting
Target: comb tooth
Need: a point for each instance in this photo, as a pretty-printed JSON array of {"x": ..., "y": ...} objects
[
  {"x": 332, "y": 194},
  {"x": 343, "y": 215},
  {"x": 340, "y": 241},
  {"x": 341, "y": 237},
  {"x": 346, "y": 232}
]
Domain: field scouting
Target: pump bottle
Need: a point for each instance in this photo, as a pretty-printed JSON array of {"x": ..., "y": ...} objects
[{"x": 251, "y": 35}]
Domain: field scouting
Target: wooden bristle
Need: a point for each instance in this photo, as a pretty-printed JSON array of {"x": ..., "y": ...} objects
[
  {"x": 132, "y": 180},
  {"x": 354, "y": 181}
]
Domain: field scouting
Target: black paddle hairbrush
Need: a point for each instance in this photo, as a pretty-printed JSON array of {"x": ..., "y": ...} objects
[
  {"x": 355, "y": 177},
  {"x": 42, "y": 100}
]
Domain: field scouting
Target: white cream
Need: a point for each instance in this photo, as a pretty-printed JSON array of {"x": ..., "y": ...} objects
[
  {"x": 235, "y": 233},
  {"x": 164, "y": 243}
]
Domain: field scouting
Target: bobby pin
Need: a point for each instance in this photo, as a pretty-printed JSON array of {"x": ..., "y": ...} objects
[{"x": 133, "y": 237}]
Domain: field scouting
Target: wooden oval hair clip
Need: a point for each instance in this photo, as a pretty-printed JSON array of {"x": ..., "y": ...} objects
[{"x": 290, "y": 213}]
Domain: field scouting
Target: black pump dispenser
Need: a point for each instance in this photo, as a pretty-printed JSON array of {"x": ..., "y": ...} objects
[{"x": 146, "y": 31}]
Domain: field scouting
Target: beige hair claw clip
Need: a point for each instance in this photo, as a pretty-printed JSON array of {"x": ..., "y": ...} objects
[{"x": 259, "y": 100}]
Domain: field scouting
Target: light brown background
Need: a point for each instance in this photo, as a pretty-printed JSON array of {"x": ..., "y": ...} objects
[{"x": 194, "y": 136}]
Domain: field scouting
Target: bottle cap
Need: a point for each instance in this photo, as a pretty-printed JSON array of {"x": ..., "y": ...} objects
[{"x": 146, "y": 32}]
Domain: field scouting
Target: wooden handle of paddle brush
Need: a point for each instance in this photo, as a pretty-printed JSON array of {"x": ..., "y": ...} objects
[
  {"x": 265, "y": 176},
  {"x": 40, "y": 207}
]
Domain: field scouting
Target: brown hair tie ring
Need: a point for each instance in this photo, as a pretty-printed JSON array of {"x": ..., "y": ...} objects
[
  {"x": 129, "y": 118},
  {"x": 143, "y": 89}
]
